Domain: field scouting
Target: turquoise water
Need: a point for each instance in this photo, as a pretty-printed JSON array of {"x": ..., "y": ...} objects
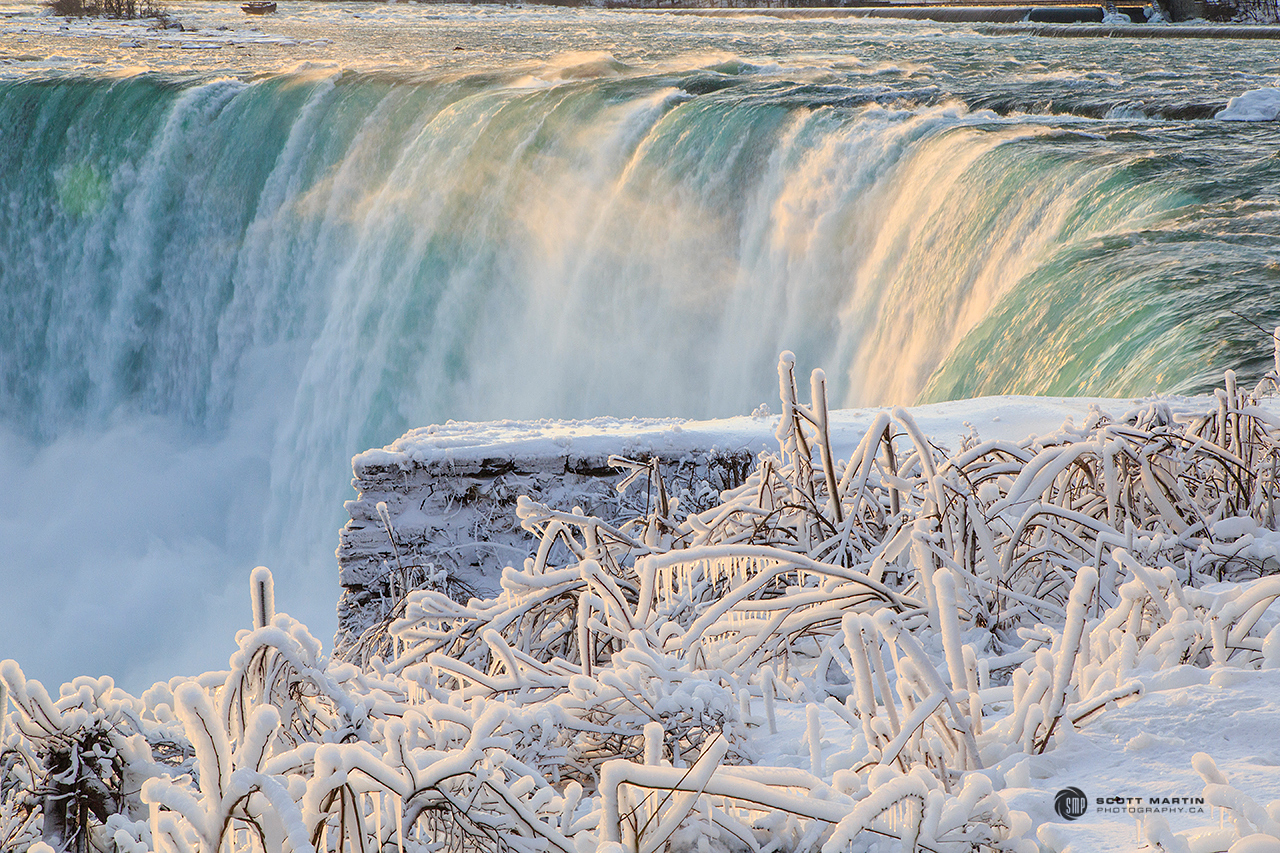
[{"x": 231, "y": 259}]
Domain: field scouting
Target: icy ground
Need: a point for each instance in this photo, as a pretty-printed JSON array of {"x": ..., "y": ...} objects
[{"x": 119, "y": 37}]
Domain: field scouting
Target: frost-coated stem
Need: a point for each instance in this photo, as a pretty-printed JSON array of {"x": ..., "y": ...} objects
[
  {"x": 971, "y": 683},
  {"x": 891, "y": 463},
  {"x": 876, "y": 662},
  {"x": 949, "y": 619},
  {"x": 911, "y": 725},
  {"x": 768, "y": 687},
  {"x": 618, "y": 772},
  {"x": 814, "y": 736},
  {"x": 923, "y": 559},
  {"x": 890, "y": 627},
  {"x": 1233, "y": 402},
  {"x": 1073, "y": 632},
  {"x": 262, "y": 596},
  {"x": 1069, "y": 648},
  {"x": 789, "y": 434},
  {"x": 653, "y": 734},
  {"x": 863, "y": 693},
  {"x": 818, "y": 389},
  {"x": 584, "y": 635}
]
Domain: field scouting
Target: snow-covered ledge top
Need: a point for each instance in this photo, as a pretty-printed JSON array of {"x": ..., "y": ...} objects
[{"x": 468, "y": 444}]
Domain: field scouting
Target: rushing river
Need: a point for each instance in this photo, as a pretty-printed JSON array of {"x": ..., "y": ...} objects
[{"x": 232, "y": 257}]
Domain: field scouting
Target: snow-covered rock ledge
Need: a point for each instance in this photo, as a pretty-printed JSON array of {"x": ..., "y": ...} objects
[
  {"x": 449, "y": 495},
  {"x": 450, "y": 490}
]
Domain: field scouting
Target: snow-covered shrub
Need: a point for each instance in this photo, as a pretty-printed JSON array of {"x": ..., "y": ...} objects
[{"x": 70, "y": 764}]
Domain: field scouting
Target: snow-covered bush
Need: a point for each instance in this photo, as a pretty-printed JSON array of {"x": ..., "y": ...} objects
[{"x": 956, "y": 612}]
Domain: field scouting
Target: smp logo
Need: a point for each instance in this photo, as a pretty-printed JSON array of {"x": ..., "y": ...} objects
[{"x": 1070, "y": 803}]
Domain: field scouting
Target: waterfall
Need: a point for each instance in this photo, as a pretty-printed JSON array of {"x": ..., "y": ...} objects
[{"x": 215, "y": 292}]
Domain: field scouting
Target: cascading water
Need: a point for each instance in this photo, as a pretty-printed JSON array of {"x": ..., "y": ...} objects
[{"x": 216, "y": 290}]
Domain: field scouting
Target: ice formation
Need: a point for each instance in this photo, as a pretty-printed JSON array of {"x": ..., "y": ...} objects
[{"x": 1253, "y": 105}]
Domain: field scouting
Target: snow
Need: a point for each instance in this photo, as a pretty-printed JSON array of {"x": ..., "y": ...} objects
[
  {"x": 1256, "y": 843},
  {"x": 1006, "y": 418},
  {"x": 1145, "y": 749}
]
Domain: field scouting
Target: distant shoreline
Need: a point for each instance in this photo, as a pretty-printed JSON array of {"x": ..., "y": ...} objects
[
  {"x": 1043, "y": 19},
  {"x": 1053, "y": 18}
]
